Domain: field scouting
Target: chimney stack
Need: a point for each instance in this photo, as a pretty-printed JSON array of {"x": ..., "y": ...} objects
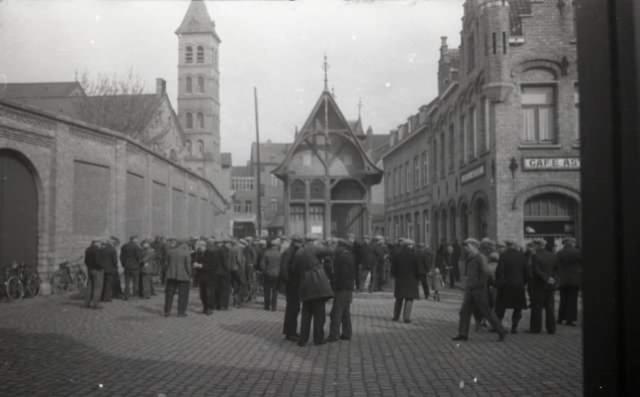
[
  {"x": 161, "y": 86},
  {"x": 443, "y": 45}
]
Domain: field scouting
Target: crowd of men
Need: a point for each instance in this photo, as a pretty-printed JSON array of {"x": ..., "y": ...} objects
[{"x": 311, "y": 271}]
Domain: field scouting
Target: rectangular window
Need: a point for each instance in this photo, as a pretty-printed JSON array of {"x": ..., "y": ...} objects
[
  {"x": 434, "y": 151},
  {"x": 504, "y": 42},
  {"x": 452, "y": 147},
  {"x": 442, "y": 158},
  {"x": 407, "y": 171},
  {"x": 237, "y": 206},
  {"x": 248, "y": 206},
  {"x": 469, "y": 154},
  {"x": 538, "y": 114},
  {"x": 471, "y": 56},
  {"x": 487, "y": 124},
  {"x": 416, "y": 173},
  {"x": 495, "y": 44},
  {"x": 425, "y": 169},
  {"x": 481, "y": 142},
  {"x": 400, "y": 180},
  {"x": 576, "y": 101},
  {"x": 463, "y": 140}
]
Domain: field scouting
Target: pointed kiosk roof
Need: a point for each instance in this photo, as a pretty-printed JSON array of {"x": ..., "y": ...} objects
[
  {"x": 197, "y": 20},
  {"x": 370, "y": 171}
]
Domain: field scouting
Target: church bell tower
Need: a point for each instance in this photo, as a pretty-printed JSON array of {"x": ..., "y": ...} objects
[{"x": 199, "y": 91}]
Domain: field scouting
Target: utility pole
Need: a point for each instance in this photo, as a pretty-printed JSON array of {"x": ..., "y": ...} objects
[{"x": 258, "y": 170}]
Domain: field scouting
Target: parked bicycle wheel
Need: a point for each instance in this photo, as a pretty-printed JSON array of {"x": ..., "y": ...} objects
[
  {"x": 81, "y": 280},
  {"x": 59, "y": 283},
  {"x": 32, "y": 285},
  {"x": 14, "y": 288}
]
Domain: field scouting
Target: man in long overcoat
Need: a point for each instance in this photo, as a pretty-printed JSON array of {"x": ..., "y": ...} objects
[
  {"x": 291, "y": 280},
  {"x": 569, "y": 272},
  {"x": 107, "y": 256},
  {"x": 178, "y": 277},
  {"x": 131, "y": 258},
  {"x": 404, "y": 269},
  {"x": 95, "y": 273},
  {"x": 544, "y": 266},
  {"x": 344, "y": 274},
  {"x": 511, "y": 277}
]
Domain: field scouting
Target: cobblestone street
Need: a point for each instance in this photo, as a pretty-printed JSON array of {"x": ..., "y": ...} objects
[{"x": 52, "y": 346}]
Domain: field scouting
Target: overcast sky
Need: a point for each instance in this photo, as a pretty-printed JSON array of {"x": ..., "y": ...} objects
[{"x": 385, "y": 52}]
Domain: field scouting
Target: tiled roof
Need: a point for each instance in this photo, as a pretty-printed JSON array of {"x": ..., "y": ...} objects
[
  {"x": 270, "y": 152},
  {"x": 41, "y": 90},
  {"x": 241, "y": 170},
  {"x": 197, "y": 19}
]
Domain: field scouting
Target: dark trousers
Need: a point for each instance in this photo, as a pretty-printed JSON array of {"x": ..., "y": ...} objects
[
  {"x": 515, "y": 316},
  {"x": 131, "y": 277},
  {"x": 397, "y": 308},
  {"x": 207, "y": 294},
  {"x": 291, "y": 314},
  {"x": 94, "y": 287},
  {"x": 173, "y": 286},
  {"x": 146, "y": 285},
  {"x": 568, "y": 308},
  {"x": 475, "y": 301},
  {"x": 270, "y": 293},
  {"x": 117, "y": 286},
  {"x": 425, "y": 285},
  {"x": 222, "y": 290},
  {"x": 543, "y": 300},
  {"x": 357, "y": 278},
  {"x": 452, "y": 277},
  {"x": 341, "y": 315},
  {"x": 312, "y": 309},
  {"x": 107, "y": 288}
]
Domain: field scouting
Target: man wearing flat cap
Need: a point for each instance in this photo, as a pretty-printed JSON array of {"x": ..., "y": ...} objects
[
  {"x": 569, "y": 272},
  {"x": 544, "y": 268},
  {"x": 475, "y": 294}
]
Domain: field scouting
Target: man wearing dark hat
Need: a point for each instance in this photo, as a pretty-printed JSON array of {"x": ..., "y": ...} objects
[
  {"x": 404, "y": 269},
  {"x": 270, "y": 266},
  {"x": 223, "y": 276},
  {"x": 511, "y": 277},
  {"x": 475, "y": 294},
  {"x": 291, "y": 280},
  {"x": 95, "y": 273},
  {"x": 569, "y": 271},
  {"x": 344, "y": 274},
  {"x": 107, "y": 256},
  {"x": 544, "y": 266},
  {"x": 131, "y": 258}
]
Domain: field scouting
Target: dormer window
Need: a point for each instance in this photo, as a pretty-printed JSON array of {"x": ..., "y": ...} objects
[
  {"x": 189, "y": 85},
  {"x": 188, "y": 54},
  {"x": 200, "y": 54}
]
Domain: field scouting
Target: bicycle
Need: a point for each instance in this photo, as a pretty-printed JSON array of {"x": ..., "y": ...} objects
[
  {"x": 69, "y": 277},
  {"x": 30, "y": 280},
  {"x": 13, "y": 288}
]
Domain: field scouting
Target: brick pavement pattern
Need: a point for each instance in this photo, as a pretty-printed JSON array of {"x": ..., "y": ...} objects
[{"x": 52, "y": 346}]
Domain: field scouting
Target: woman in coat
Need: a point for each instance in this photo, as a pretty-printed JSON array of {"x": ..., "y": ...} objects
[{"x": 404, "y": 269}]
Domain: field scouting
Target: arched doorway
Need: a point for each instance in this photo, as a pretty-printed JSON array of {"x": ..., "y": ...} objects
[
  {"x": 18, "y": 210},
  {"x": 480, "y": 218},
  {"x": 552, "y": 216}
]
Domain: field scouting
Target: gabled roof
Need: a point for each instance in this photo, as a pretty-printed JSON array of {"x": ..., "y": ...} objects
[
  {"x": 270, "y": 152},
  {"x": 197, "y": 20},
  {"x": 41, "y": 90},
  {"x": 309, "y": 129}
]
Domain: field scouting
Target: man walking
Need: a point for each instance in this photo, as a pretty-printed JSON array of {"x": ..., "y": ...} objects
[
  {"x": 511, "y": 277},
  {"x": 131, "y": 258},
  {"x": 404, "y": 269},
  {"x": 569, "y": 270},
  {"x": 476, "y": 295},
  {"x": 344, "y": 274},
  {"x": 544, "y": 266},
  {"x": 95, "y": 271},
  {"x": 178, "y": 277}
]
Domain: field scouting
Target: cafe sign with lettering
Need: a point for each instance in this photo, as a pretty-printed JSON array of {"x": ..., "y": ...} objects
[
  {"x": 472, "y": 174},
  {"x": 551, "y": 163}
]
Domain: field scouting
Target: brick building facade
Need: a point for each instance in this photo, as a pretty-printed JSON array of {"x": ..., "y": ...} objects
[
  {"x": 496, "y": 153},
  {"x": 65, "y": 183}
]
